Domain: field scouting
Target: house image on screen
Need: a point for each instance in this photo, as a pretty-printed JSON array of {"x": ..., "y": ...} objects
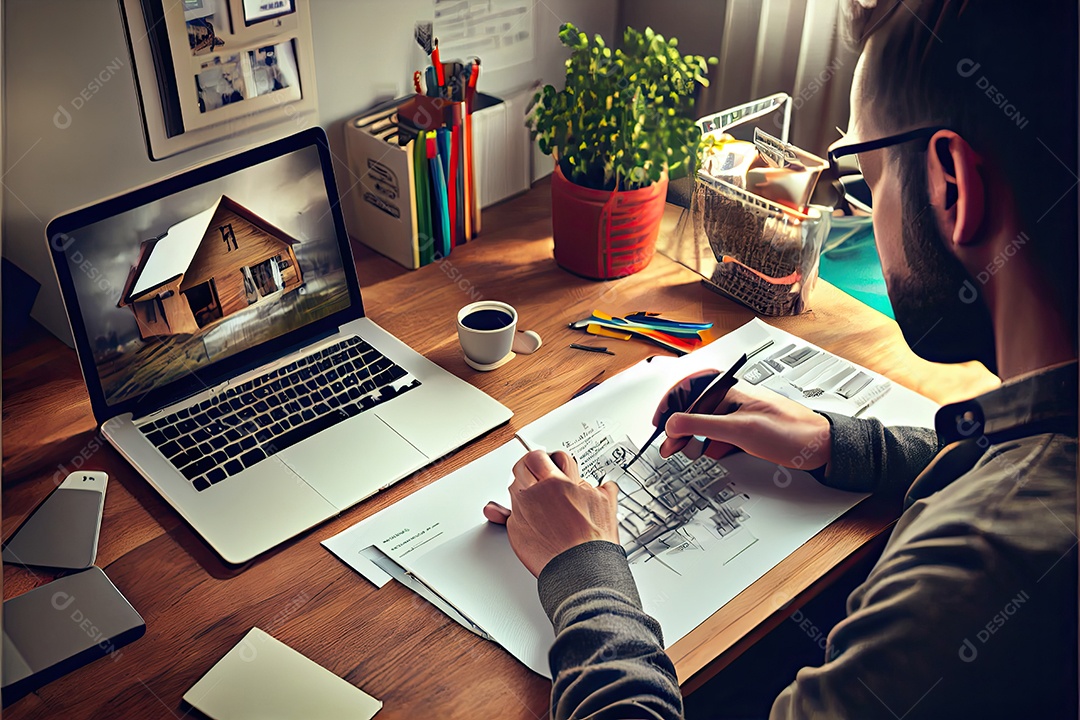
[{"x": 208, "y": 267}]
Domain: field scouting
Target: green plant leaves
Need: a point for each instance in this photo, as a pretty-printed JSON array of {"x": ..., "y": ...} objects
[{"x": 621, "y": 117}]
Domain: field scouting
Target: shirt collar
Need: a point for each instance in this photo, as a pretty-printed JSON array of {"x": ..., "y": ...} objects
[{"x": 1044, "y": 401}]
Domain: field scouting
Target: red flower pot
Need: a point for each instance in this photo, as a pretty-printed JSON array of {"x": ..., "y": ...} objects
[{"x": 605, "y": 234}]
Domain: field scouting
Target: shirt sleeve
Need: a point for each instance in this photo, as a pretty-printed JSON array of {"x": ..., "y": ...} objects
[
  {"x": 868, "y": 456},
  {"x": 608, "y": 658}
]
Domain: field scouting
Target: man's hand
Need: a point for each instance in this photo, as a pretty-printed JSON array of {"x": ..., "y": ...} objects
[
  {"x": 759, "y": 422},
  {"x": 553, "y": 509}
]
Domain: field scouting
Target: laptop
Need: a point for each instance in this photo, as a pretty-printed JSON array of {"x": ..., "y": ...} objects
[{"x": 218, "y": 321}]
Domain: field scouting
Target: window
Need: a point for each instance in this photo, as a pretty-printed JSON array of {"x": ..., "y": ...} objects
[
  {"x": 228, "y": 236},
  {"x": 267, "y": 276}
]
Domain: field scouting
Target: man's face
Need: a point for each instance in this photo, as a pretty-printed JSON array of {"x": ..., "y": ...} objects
[{"x": 942, "y": 318}]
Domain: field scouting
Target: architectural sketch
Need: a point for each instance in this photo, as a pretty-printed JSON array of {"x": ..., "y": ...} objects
[
  {"x": 207, "y": 267},
  {"x": 667, "y": 506}
]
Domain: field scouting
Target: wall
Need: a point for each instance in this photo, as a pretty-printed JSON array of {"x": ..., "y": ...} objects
[
  {"x": 698, "y": 24},
  {"x": 53, "y": 50}
]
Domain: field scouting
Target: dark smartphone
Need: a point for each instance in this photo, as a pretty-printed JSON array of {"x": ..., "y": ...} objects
[{"x": 63, "y": 625}]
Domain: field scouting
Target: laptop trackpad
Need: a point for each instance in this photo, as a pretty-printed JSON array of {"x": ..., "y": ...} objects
[{"x": 354, "y": 459}]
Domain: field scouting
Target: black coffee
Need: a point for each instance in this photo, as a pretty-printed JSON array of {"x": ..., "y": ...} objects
[{"x": 487, "y": 319}]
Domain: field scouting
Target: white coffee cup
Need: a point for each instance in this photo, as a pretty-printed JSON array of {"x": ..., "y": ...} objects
[{"x": 486, "y": 331}]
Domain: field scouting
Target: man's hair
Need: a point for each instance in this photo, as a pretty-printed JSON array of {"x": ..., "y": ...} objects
[{"x": 1002, "y": 74}]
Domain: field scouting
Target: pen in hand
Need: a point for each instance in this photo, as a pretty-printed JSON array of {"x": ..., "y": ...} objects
[{"x": 704, "y": 400}]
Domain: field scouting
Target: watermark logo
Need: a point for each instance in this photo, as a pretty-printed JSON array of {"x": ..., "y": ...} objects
[
  {"x": 813, "y": 632},
  {"x": 970, "y": 425},
  {"x": 299, "y": 119},
  {"x": 62, "y": 118},
  {"x": 463, "y": 283},
  {"x": 969, "y": 651},
  {"x": 61, "y": 601},
  {"x": 967, "y": 68},
  {"x": 782, "y": 477},
  {"x": 78, "y": 460},
  {"x": 968, "y": 292},
  {"x": 62, "y": 242},
  {"x": 815, "y": 85}
]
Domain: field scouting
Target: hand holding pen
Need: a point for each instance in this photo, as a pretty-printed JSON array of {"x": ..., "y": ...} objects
[
  {"x": 700, "y": 393},
  {"x": 755, "y": 420}
]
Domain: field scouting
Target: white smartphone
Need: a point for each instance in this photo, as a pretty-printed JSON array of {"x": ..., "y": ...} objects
[{"x": 62, "y": 532}]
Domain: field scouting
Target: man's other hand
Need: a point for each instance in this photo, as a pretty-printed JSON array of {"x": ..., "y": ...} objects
[{"x": 553, "y": 509}]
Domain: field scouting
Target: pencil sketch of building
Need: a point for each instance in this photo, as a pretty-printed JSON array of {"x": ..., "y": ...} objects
[
  {"x": 208, "y": 267},
  {"x": 667, "y": 504}
]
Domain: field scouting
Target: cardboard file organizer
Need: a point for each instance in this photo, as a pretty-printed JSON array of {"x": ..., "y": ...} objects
[{"x": 421, "y": 169}]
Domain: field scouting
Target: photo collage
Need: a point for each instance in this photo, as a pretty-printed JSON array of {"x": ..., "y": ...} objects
[{"x": 227, "y": 75}]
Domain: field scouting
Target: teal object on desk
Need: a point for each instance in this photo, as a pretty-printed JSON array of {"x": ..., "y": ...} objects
[{"x": 849, "y": 260}]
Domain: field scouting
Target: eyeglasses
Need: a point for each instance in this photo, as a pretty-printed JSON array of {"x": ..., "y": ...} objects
[
  {"x": 831, "y": 177},
  {"x": 836, "y": 153}
]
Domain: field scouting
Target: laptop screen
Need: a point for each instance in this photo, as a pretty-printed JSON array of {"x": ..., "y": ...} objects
[{"x": 173, "y": 281}]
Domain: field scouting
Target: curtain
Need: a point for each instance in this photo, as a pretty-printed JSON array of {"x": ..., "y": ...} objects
[{"x": 792, "y": 46}]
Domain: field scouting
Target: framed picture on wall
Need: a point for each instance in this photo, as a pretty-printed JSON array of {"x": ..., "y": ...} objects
[
  {"x": 211, "y": 69},
  {"x": 257, "y": 11}
]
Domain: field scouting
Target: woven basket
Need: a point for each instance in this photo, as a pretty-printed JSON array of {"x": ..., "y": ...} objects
[
  {"x": 767, "y": 257},
  {"x": 767, "y": 254}
]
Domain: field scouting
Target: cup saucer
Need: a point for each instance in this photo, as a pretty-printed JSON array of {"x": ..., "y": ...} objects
[{"x": 490, "y": 366}]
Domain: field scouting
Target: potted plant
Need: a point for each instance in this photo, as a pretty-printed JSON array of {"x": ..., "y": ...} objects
[{"x": 616, "y": 131}]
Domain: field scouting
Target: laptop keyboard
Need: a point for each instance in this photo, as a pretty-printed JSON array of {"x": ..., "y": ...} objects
[{"x": 248, "y": 423}]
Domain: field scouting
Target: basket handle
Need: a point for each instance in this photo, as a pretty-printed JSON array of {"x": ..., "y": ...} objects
[{"x": 726, "y": 119}]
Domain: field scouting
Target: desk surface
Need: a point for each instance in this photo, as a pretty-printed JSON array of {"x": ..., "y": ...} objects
[{"x": 389, "y": 642}]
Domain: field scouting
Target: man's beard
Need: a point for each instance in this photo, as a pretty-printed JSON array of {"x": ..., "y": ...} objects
[{"x": 938, "y": 306}]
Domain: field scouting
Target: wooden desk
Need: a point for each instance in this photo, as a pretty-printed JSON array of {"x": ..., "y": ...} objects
[{"x": 389, "y": 642}]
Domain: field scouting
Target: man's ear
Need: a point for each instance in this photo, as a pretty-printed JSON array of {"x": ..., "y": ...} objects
[{"x": 955, "y": 181}]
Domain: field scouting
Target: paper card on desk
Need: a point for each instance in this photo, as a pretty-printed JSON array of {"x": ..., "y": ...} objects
[{"x": 262, "y": 677}]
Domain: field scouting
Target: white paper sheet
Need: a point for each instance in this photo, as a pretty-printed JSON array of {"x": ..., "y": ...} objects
[
  {"x": 493, "y": 589},
  {"x": 430, "y": 516},
  {"x": 499, "y": 32},
  {"x": 696, "y": 536}
]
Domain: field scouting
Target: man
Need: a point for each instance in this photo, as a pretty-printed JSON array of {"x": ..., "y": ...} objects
[{"x": 964, "y": 125}]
